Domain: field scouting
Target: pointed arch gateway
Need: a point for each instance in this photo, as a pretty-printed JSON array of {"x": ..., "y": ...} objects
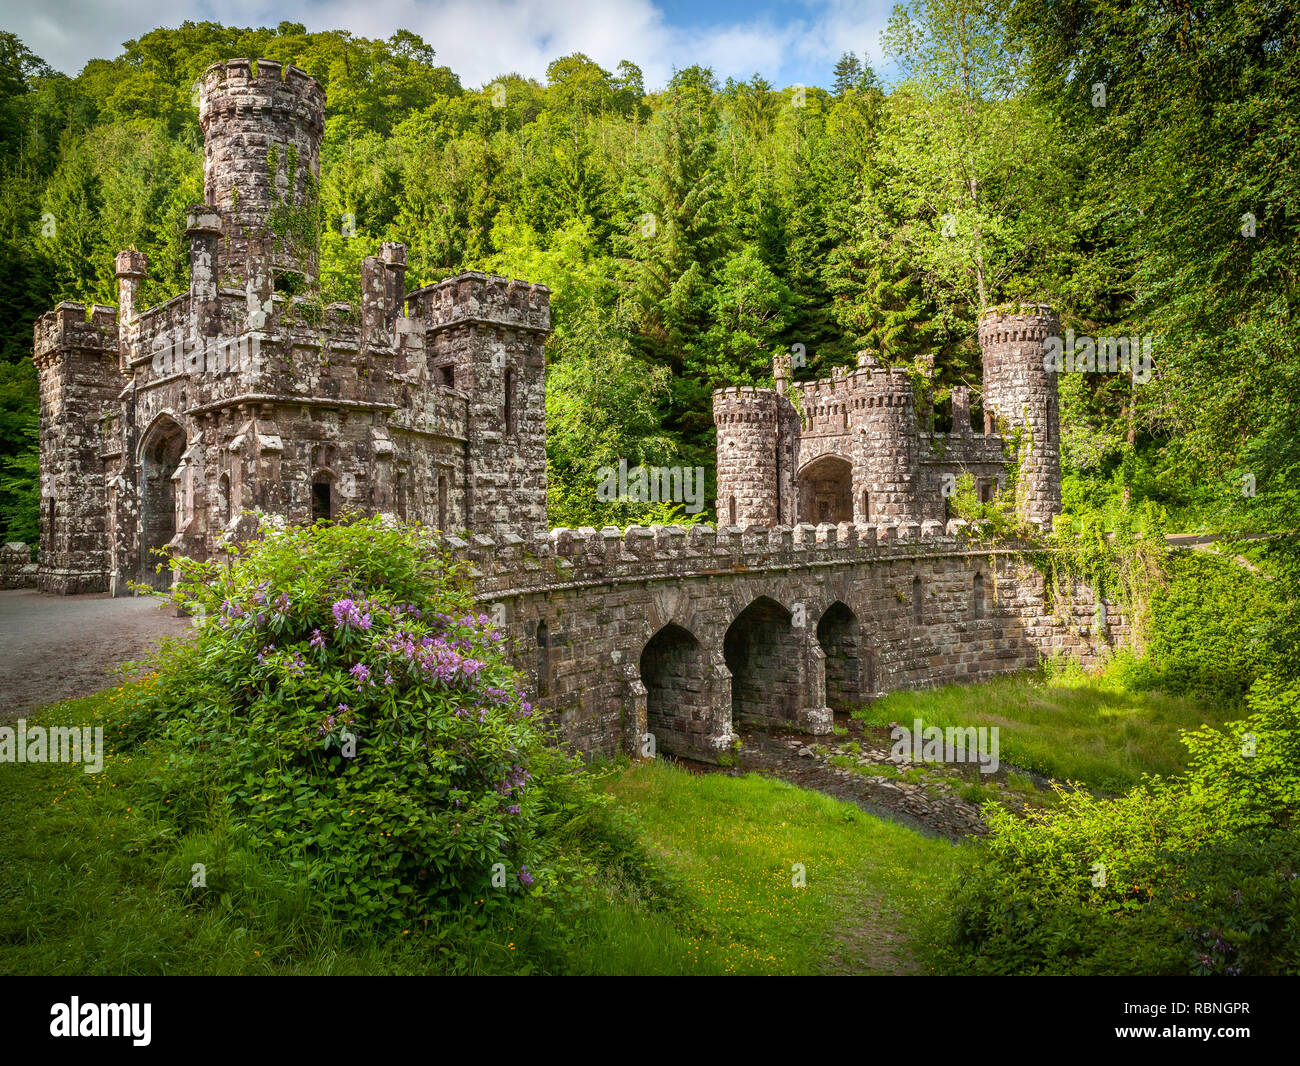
[
  {"x": 826, "y": 491},
  {"x": 160, "y": 456}
]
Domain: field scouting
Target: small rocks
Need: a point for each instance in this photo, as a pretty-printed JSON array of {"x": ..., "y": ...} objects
[{"x": 924, "y": 794}]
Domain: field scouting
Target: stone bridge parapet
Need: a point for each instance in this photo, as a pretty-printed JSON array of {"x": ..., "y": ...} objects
[{"x": 672, "y": 638}]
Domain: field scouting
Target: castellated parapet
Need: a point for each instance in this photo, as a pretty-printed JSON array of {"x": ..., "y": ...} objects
[
  {"x": 750, "y": 424},
  {"x": 831, "y": 578},
  {"x": 161, "y": 428}
]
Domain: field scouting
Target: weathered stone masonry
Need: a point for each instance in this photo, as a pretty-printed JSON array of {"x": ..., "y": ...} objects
[
  {"x": 690, "y": 634},
  {"x": 832, "y": 576},
  {"x": 161, "y": 427},
  {"x": 849, "y": 448}
]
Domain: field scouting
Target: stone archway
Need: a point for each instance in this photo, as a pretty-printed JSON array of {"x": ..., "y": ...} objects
[
  {"x": 764, "y": 656},
  {"x": 160, "y": 456},
  {"x": 675, "y": 673},
  {"x": 826, "y": 491},
  {"x": 838, "y": 635}
]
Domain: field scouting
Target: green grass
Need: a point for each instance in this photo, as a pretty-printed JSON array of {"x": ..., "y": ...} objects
[
  {"x": 874, "y": 890},
  {"x": 95, "y": 879},
  {"x": 1071, "y": 727}
]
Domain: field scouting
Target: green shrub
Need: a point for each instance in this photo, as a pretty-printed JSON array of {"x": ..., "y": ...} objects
[
  {"x": 1156, "y": 881},
  {"x": 359, "y": 720},
  {"x": 1209, "y": 631}
]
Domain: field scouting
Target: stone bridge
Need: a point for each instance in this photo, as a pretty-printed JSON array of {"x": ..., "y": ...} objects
[{"x": 690, "y": 634}]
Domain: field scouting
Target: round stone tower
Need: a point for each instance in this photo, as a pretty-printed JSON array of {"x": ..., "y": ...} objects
[
  {"x": 262, "y": 134},
  {"x": 755, "y": 456},
  {"x": 1022, "y": 392},
  {"x": 886, "y": 458}
]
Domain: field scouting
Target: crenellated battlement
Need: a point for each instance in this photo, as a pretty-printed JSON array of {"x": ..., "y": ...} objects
[
  {"x": 637, "y": 553},
  {"x": 829, "y": 403},
  {"x": 857, "y": 449},
  {"x": 487, "y": 299},
  {"x": 69, "y": 326},
  {"x": 744, "y": 403},
  {"x": 233, "y": 88},
  {"x": 1029, "y": 323}
]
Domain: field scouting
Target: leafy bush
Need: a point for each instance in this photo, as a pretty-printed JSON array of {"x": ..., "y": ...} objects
[
  {"x": 1209, "y": 629},
  {"x": 1182, "y": 875},
  {"x": 359, "y": 720}
]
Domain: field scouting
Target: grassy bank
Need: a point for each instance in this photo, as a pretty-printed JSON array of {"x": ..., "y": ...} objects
[
  {"x": 874, "y": 890},
  {"x": 95, "y": 879},
  {"x": 1070, "y": 726}
]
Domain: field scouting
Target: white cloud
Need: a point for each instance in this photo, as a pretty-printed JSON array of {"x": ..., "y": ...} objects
[{"x": 480, "y": 39}]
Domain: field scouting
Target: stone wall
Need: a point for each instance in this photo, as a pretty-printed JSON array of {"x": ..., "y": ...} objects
[
  {"x": 76, "y": 361},
  {"x": 163, "y": 428},
  {"x": 731, "y": 621},
  {"x": 262, "y": 132},
  {"x": 852, "y": 447},
  {"x": 1023, "y": 393},
  {"x": 17, "y": 571}
]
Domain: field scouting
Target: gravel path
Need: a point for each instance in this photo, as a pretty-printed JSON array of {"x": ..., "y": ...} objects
[{"x": 53, "y": 648}]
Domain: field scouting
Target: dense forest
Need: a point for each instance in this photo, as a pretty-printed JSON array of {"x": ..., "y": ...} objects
[{"x": 1136, "y": 167}]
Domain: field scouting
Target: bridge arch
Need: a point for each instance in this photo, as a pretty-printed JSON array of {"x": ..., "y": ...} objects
[
  {"x": 763, "y": 653},
  {"x": 674, "y": 670},
  {"x": 840, "y": 637}
]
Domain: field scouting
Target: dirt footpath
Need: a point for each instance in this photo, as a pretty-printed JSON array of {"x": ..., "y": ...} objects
[{"x": 56, "y": 647}]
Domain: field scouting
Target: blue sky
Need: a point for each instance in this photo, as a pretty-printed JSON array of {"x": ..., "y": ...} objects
[{"x": 789, "y": 42}]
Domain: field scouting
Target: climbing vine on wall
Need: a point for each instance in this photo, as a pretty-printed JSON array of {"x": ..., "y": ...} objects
[{"x": 294, "y": 226}]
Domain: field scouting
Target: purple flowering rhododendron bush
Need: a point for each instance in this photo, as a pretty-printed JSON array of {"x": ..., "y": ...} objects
[{"x": 356, "y": 715}]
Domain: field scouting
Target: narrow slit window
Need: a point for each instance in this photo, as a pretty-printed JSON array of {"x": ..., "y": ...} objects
[
  {"x": 510, "y": 401},
  {"x": 543, "y": 659}
]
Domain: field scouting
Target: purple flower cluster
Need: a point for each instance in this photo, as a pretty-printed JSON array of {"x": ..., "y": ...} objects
[
  {"x": 348, "y": 614},
  {"x": 436, "y": 657},
  {"x": 513, "y": 782}
]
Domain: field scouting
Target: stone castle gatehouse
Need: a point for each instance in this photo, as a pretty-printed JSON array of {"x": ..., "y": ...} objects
[
  {"x": 832, "y": 576},
  {"x": 159, "y": 427}
]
